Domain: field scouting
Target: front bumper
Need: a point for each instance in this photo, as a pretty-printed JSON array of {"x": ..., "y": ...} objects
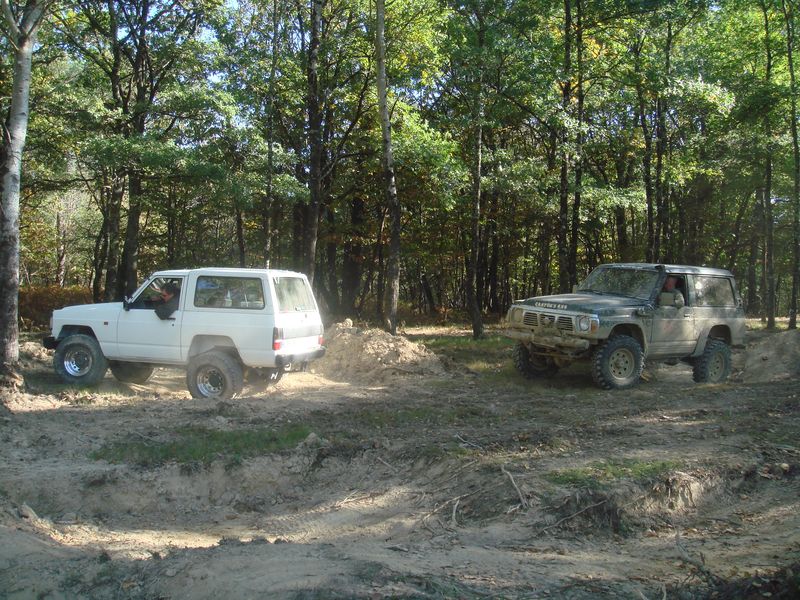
[
  {"x": 549, "y": 341},
  {"x": 282, "y": 361}
]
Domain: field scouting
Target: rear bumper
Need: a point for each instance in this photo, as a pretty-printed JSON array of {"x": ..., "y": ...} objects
[
  {"x": 283, "y": 361},
  {"x": 50, "y": 342}
]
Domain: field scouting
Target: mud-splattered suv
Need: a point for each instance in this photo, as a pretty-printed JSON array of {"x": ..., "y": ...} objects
[{"x": 624, "y": 313}]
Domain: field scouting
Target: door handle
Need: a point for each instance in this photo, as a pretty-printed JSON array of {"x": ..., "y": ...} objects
[{"x": 688, "y": 314}]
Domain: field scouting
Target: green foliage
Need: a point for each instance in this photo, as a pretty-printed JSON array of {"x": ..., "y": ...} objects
[
  {"x": 604, "y": 473},
  {"x": 212, "y": 120},
  {"x": 197, "y": 445}
]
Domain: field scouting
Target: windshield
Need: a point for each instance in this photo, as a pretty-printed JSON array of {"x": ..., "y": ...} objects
[{"x": 621, "y": 281}]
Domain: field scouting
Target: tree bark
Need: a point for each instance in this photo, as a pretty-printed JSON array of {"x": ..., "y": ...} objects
[
  {"x": 789, "y": 19},
  {"x": 768, "y": 228},
  {"x": 470, "y": 287},
  {"x": 562, "y": 236},
  {"x": 314, "y": 141},
  {"x": 387, "y": 164},
  {"x": 22, "y": 36}
]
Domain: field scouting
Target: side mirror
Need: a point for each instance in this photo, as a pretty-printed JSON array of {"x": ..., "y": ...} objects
[
  {"x": 126, "y": 304},
  {"x": 645, "y": 311}
]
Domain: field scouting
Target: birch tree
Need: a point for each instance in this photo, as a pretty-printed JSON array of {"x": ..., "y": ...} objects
[{"x": 21, "y": 22}]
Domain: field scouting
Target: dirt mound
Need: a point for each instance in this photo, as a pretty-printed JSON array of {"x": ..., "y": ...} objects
[
  {"x": 373, "y": 355},
  {"x": 773, "y": 358}
]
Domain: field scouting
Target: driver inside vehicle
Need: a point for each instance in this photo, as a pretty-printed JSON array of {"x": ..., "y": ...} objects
[
  {"x": 168, "y": 303},
  {"x": 671, "y": 294}
]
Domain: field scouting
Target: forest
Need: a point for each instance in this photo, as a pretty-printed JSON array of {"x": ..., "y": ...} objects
[{"x": 530, "y": 140}]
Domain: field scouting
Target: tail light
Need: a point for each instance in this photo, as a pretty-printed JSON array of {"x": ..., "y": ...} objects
[
  {"x": 277, "y": 338},
  {"x": 321, "y": 341}
]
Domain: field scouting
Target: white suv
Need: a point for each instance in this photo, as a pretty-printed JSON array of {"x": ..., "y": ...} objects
[{"x": 225, "y": 322}]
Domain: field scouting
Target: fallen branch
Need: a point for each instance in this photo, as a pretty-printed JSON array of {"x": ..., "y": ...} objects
[
  {"x": 572, "y": 516},
  {"x": 453, "y": 520},
  {"x": 468, "y": 443},
  {"x": 522, "y": 499},
  {"x": 697, "y": 564},
  {"x": 393, "y": 468}
]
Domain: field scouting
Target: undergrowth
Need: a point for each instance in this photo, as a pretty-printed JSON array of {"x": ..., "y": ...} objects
[{"x": 197, "y": 445}]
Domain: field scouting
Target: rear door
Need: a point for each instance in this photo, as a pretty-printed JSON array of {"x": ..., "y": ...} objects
[{"x": 716, "y": 302}]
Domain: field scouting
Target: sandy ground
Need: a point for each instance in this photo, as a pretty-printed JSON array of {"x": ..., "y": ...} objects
[{"x": 419, "y": 478}]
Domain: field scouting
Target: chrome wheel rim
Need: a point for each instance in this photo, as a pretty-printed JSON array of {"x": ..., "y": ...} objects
[
  {"x": 210, "y": 381},
  {"x": 78, "y": 361}
]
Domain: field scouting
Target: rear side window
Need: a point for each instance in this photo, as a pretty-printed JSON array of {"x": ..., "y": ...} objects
[
  {"x": 714, "y": 291},
  {"x": 294, "y": 294},
  {"x": 229, "y": 292}
]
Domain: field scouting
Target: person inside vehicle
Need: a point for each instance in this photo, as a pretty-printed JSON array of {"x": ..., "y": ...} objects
[
  {"x": 168, "y": 304},
  {"x": 672, "y": 287}
]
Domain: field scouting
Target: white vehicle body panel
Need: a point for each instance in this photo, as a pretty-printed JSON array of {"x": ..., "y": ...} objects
[{"x": 133, "y": 332}]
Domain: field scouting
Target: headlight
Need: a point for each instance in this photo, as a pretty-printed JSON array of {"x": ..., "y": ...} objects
[
  {"x": 515, "y": 315},
  {"x": 586, "y": 324}
]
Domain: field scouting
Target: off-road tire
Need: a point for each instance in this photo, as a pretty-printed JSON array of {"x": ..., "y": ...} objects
[
  {"x": 532, "y": 366},
  {"x": 79, "y": 360},
  {"x": 617, "y": 363},
  {"x": 215, "y": 375},
  {"x": 714, "y": 364},
  {"x": 127, "y": 372}
]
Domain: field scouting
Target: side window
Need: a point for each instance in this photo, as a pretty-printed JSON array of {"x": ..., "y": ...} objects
[
  {"x": 153, "y": 294},
  {"x": 675, "y": 283},
  {"x": 229, "y": 292},
  {"x": 714, "y": 291},
  {"x": 294, "y": 294}
]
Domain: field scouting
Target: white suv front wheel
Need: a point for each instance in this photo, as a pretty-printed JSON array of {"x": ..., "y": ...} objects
[
  {"x": 80, "y": 360},
  {"x": 215, "y": 375}
]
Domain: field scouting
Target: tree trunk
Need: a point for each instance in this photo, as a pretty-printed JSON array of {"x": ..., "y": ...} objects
[
  {"x": 314, "y": 141},
  {"x": 562, "y": 236},
  {"x": 789, "y": 18},
  {"x": 577, "y": 197},
  {"x": 387, "y": 163},
  {"x": 661, "y": 233},
  {"x": 129, "y": 275},
  {"x": 768, "y": 278},
  {"x": 267, "y": 199},
  {"x": 353, "y": 259},
  {"x": 240, "y": 241},
  {"x": 14, "y": 132}
]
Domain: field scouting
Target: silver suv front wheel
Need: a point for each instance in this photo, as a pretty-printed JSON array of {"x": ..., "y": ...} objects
[{"x": 617, "y": 363}]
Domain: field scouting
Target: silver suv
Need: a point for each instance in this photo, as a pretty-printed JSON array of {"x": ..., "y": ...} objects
[{"x": 624, "y": 313}]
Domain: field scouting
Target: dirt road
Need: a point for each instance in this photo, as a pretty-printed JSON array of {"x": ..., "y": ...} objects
[{"x": 413, "y": 477}]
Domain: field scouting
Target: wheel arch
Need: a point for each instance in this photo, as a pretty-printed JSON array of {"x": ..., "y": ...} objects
[
  {"x": 206, "y": 343},
  {"x": 716, "y": 332},
  {"x": 68, "y": 330},
  {"x": 631, "y": 331}
]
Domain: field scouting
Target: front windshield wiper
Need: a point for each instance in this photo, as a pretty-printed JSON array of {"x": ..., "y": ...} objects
[{"x": 590, "y": 290}]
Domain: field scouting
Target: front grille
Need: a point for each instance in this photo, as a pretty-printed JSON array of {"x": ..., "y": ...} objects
[{"x": 537, "y": 319}]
